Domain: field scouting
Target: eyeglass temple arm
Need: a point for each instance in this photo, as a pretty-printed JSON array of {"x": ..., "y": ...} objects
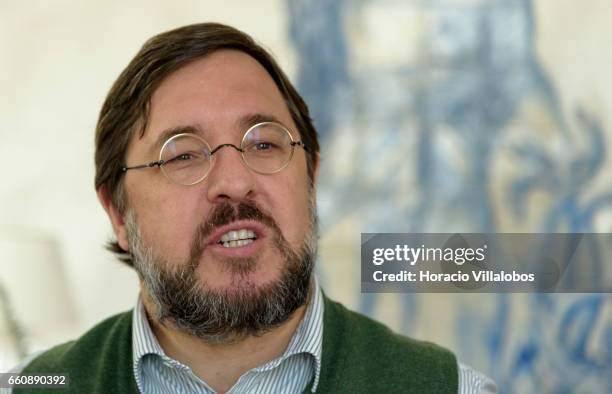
[{"x": 148, "y": 165}]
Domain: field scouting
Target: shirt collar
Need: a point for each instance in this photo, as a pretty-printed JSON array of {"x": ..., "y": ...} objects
[{"x": 308, "y": 338}]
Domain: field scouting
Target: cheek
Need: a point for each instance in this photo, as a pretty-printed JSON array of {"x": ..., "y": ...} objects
[
  {"x": 292, "y": 208},
  {"x": 167, "y": 222}
]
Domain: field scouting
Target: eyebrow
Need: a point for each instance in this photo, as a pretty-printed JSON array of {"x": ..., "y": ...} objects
[
  {"x": 171, "y": 132},
  {"x": 244, "y": 123},
  {"x": 249, "y": 120}
]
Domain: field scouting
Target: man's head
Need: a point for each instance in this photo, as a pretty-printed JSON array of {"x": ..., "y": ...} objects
[{"x": 216, "y": 82}]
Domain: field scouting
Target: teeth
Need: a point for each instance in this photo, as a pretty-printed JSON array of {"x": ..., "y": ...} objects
[
  {"x": 242, "y": 234},
  {"x": 235, "y": 244}
]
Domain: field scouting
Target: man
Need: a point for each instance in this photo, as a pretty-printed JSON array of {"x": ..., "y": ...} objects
[{"x": 206, "y": 163}]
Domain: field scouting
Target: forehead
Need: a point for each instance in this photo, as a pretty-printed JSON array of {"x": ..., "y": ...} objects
[{"x": 214, "y": 94}]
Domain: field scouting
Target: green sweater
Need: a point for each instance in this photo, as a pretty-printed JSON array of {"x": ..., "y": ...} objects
[{"x": 359, "y": 356}]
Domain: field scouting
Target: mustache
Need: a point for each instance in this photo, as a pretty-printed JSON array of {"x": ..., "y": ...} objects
[{"x": 226, "y": 213}]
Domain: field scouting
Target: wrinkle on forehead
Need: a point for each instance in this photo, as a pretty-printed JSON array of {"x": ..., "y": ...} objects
[
  {"x": 232, "y": 87},
  {"x": 229, "y": 84}
]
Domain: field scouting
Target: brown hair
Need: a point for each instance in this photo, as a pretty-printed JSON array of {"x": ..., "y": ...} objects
[{"x": 126, "y": 108}]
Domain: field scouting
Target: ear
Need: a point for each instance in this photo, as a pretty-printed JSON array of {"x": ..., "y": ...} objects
[{"x": 115, "y": 217}]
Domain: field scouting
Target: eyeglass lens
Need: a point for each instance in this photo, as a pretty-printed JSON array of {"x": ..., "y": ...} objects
[{"x": 187, "y": 158}]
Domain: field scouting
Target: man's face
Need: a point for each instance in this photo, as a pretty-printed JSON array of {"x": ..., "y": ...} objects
[{"x": 220, "y": 96}]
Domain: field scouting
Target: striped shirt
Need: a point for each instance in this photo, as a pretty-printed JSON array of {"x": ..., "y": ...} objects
[{"x": 155, "y": 372}]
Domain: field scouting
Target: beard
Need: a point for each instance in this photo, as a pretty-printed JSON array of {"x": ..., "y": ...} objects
[{"x": 231, "y": 314}]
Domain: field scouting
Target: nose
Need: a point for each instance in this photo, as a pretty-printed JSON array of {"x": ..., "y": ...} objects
[{"x": 230, "y": 178}]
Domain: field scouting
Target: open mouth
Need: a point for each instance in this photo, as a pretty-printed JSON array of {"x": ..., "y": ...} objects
[{"x": 237, "y": 238}]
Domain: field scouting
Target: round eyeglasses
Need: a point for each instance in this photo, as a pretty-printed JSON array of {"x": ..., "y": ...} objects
[{"x": 187, "y": 159}]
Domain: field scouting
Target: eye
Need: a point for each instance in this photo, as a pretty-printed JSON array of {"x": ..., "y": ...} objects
[
  {"x": 262, "y": 146},
  {"x": 184, "y": 157}
]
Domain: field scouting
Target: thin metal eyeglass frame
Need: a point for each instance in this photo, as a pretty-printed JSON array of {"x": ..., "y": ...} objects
[{"x": 159, "y": 163}]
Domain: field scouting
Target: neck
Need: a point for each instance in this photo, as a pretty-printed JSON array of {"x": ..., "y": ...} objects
[{"x": 221, "y": 365}]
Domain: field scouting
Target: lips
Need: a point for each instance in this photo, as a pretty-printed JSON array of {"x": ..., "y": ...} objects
[
  {"x": 236, "y": 234},
  {"x": 235, "y": 238},
  {"x": 236, "y": 230}
]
